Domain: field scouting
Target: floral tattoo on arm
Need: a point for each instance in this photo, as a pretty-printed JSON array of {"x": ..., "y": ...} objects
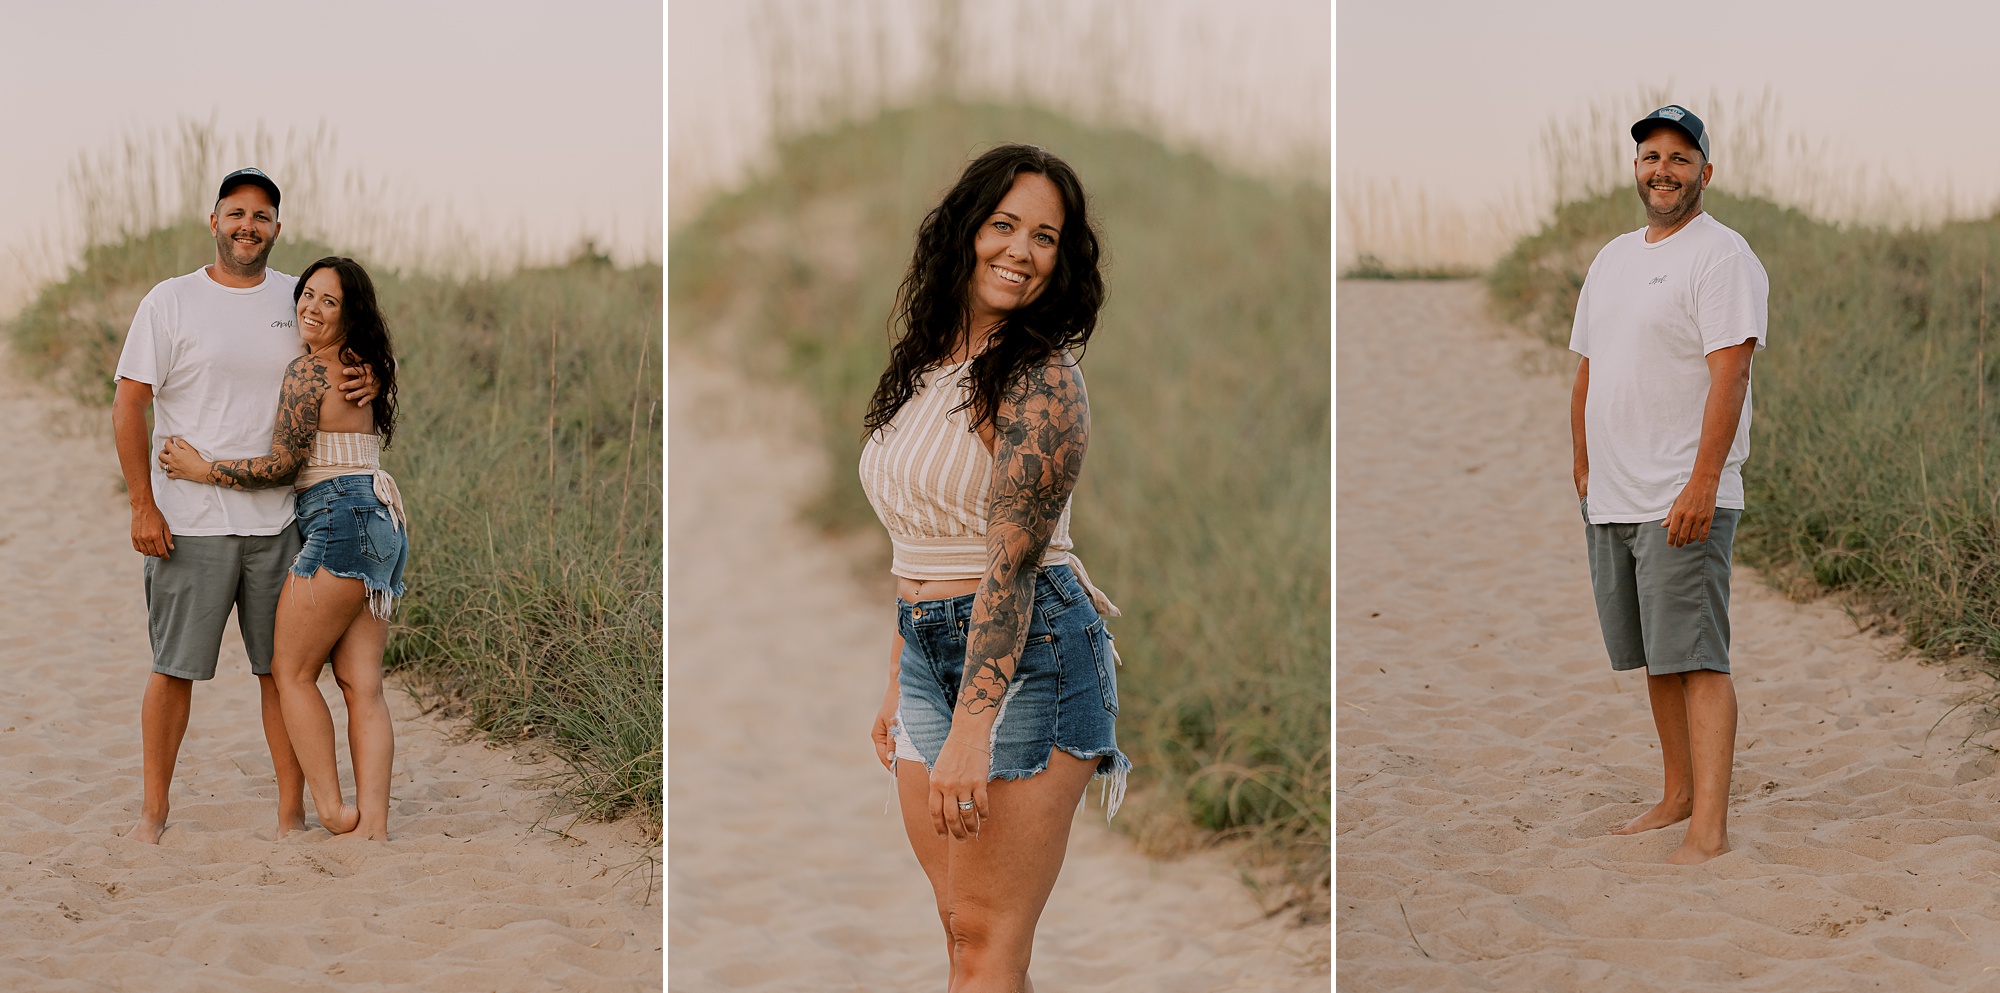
[
  {"x": 306, "y": 381},
  {"x": 1041, "y": 428}
]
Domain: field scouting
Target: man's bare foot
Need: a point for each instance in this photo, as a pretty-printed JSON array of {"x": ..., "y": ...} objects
[
  {"x": 148, "y": 830},
  {"x": 1691, "y": 853},
  {"x": 287, "y": 823},
  {"x": 1663, "y": 813}
]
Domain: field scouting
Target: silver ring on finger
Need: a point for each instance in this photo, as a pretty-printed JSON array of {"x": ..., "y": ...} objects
[{"x": 966, "y": 804}]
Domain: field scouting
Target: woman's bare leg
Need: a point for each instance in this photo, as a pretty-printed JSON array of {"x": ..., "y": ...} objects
[
  {"x": 371, "y": 735},
  {"x": 913, "y": 790},
  {"x": 312, "y": 615},
  {"x": 995, "y": 886}
]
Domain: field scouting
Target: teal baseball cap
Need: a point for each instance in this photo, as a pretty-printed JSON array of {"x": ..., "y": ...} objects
[
  {"x": 255, "y": 177},
  {"x": 1675, "y": 116}
]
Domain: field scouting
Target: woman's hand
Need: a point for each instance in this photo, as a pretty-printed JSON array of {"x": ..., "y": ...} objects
[
  {"x": 885, "y": 719},
  {"x": 181, "y": 461},
  {"x": 960, "y": 774}
]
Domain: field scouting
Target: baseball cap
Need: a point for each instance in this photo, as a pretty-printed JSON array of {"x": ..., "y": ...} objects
[
  {"x": 257, "y": 178},
  {"x": 1672, "y": 114}
]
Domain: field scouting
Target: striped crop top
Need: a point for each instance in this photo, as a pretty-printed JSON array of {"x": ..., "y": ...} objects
[
  {"x": 928, "y": 476},
  {"x": 344, "y": 453}
]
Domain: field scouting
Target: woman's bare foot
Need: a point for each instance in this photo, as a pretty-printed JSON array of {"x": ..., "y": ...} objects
[
  {"x": 291, "y": 820},
  {"x": 1665, "y": 812},
  {"x": 148, "y": 829},
  {"x": 1692, "y": 853},
  {"x": 343, "y": 820}
]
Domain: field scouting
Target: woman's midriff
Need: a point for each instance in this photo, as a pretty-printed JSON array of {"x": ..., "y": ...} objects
[{"x": 920, "y": 590}]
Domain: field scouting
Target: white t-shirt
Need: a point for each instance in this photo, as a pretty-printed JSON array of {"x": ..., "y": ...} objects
[
  {"x": 215, "y": 357},
  {"x": 1647, "y": 318}
]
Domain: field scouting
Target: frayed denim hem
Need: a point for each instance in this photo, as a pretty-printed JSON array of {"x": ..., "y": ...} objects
[
  {"x": 381, "y": 599},
  {"x": 1112, "y": 794}
]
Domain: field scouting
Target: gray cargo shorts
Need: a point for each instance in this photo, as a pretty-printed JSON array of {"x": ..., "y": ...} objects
[
  {"x": 189, "y": 596},
  {"x": 1663, "y": 608}
]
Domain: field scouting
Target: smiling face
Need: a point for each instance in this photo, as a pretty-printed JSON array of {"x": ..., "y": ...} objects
[
  {"x": 245, "y": 226},
  {"x": 1015, "y": 251},
  {"x": 1670, "y": 173},
  {"x": 319, "y": 310}
]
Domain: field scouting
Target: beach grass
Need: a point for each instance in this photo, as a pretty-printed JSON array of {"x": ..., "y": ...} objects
[
  {"x": 1871, "y": 469},
  {"x": 1203, "y": 510},
  {"x": 1368, "y": 266},
  {"x": 528, "y": 447}
]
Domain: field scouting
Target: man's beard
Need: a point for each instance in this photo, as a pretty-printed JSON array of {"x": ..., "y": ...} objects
[
  {"x": 1686, "y": 201},
  {"x": 228, "y": 248}
]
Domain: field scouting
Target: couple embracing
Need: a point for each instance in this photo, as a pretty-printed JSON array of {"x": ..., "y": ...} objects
[{"x": 260, "y": 489}]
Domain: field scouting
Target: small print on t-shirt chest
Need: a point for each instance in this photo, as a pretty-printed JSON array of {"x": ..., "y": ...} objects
[
  {"x": 251, "y": 354},
  {"x": 1648, "y": 305},
  {"x": 1661, "y": 299}
]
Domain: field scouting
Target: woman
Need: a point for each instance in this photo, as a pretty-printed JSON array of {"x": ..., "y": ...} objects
[
  {"x": 1002, "y": 679},
  {"x": 336, "y": 602}
]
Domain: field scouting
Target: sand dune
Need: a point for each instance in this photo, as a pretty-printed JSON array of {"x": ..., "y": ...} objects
[
  {"x": 1484, "y": 747},
  {"x": 785, "y": 872},
  {"x": 468, "y": 895}
]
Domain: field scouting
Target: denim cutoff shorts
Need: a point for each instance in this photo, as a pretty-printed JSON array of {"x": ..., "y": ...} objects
[
  {"x": 348, "y": 532},
  {"x": 1064, "y": 693}
]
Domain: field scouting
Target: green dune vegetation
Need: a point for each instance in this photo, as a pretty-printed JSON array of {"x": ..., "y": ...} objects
[
  {"x": 1875, "y": 406},
  {"x": 1204, "y": 509},
  {"x": 528, "y": 447}
]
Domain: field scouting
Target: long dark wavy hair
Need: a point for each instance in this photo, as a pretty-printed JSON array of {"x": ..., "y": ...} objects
[
  {"x": 366, "y": 332},
  {"x": 931, "y": 306}
]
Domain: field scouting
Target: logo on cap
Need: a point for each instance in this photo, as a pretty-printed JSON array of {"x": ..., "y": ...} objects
[{"x": 1671, "y": 113}]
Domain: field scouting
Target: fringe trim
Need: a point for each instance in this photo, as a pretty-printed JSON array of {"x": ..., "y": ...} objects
[{"x": 1113, "y": 792}]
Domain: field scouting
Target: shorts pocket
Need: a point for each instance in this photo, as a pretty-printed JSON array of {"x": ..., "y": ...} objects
[
  {"x": 1107, "y": 672},
  {"x": 377, "y": 533},
  {"x": 309, "y": 517}
]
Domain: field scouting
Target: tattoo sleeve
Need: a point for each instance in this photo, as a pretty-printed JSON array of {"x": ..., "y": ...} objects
[
  {"x": 291, "y": 434},
  {"x": 1041, "y": 428}
]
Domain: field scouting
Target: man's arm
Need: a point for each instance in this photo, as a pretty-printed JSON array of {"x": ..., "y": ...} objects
[
  {"x": 1579, "y": 452},
  {"x": 150, "y": 535},
  {"x": 1728, "y": 382}
]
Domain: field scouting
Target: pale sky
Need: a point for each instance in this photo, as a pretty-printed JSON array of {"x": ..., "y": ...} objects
[
  {"x": 526, "y": 122},
  {"x": 1450, "y": 96}
]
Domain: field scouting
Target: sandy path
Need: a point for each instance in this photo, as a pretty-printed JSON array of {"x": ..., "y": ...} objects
[
  {"x": 1484, "y": 747},
  {"x": 784, "y": 871},
  {"x": 468, "y": 894}
]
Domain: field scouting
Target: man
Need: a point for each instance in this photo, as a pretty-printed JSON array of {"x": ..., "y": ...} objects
[
  {"x": 1660, "y": 419},
  {"x": 207, "y": 352}
]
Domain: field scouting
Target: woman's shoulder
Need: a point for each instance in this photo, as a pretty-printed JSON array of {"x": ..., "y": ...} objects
[
  {"x": 1060, "y": 371},
  {"x": 310, "y": 367},
  {"x": 1050, "y": 385}
]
